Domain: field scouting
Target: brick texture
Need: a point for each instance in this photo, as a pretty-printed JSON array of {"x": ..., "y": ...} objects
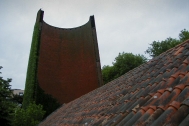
[{"x": 67, "y": 67}]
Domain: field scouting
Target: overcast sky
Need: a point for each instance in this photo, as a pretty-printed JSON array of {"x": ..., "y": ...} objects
[{"x": 122, "y": 25}]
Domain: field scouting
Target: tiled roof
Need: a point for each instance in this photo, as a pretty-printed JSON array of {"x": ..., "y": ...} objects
[{"x": 155, "y": 93}]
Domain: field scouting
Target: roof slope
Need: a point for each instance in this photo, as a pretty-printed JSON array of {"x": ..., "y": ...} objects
[{"x": 155, "y": 93}]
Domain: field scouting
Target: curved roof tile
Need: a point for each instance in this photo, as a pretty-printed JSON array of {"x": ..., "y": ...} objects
[{"x": 155, "y": 93}]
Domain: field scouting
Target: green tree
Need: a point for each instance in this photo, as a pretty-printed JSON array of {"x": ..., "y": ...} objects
[
  {"x": 184, "y": 35},
  {"x": 108, "y": 73},
  {"x": 6, "y": 104},
  {"x": 31, "y": 116},
  {"x": 123, "y": 63},
  {"x": 157, "y": 47},
  {"x": 18, "y": 99}
]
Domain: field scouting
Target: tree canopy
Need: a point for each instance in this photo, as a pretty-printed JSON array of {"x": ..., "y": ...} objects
[
  {"x": 31, "y": 116},
  {"x": 6, "y": 104},
  {"x": 158, "y": 47},
  {"x": 10, "y": 111},
  {"x": 123, "y": 63},
  {"x": 184, "y": 35}
]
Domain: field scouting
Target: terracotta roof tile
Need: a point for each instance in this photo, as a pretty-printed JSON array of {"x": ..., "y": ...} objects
[{"x": 155, "y": 93}]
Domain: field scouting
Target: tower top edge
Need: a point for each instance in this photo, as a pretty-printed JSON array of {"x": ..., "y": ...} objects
[{"x": 40, "y": 15}]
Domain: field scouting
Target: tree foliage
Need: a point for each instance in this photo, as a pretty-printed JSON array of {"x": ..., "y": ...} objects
[
  {"x": 31, "y": 116},
  {"x": 6, "y": 104},
  {"x": 123, "y": 63},
  {"x": 10, "y": 111},
  {"x": 108, "y": 73},
  {"x": 157, "y": 47},
  {"x": 18, "y": 99},
  {"x": 184, "y": 35}
]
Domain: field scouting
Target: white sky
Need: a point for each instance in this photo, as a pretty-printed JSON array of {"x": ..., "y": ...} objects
[{"x": 122, "y": 25}]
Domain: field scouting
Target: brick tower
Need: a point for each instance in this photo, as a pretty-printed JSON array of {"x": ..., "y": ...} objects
[{"x": 64, "y": 63}]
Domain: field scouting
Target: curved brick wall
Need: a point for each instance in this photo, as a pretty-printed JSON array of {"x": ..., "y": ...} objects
[{"x": 68, "y": 65}]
